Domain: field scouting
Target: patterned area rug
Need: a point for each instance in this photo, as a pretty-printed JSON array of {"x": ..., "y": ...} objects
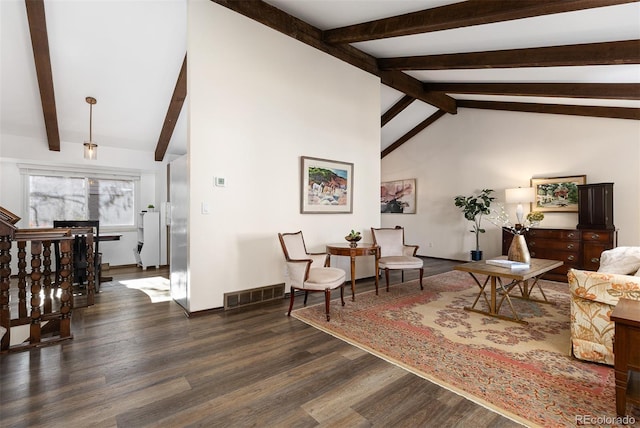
[{"x": 524, "y": 372}]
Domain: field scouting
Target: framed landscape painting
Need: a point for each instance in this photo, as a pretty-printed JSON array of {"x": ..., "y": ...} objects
[
  {"x": 398, "y": 196},
  {"x": 557, "y": 194},
  {"x": 326, "y": 186}
]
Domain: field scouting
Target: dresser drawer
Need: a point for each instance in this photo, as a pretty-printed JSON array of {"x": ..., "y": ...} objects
[
  {"x": 597, "y": 236},
  {"x": 591, "y": 256},
  {"x": 570, "y": 258},
  {"x": 552, "y": 244},
  {"x": 571, "y": 235}
]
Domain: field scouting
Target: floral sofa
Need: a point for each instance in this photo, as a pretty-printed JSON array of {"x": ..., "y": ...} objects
[{"x": 593, "y": 297}]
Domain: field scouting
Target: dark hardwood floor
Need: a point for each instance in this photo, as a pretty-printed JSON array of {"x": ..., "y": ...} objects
[{"x": 133, "y": 363}]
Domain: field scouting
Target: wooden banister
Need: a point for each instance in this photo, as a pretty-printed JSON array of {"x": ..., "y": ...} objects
[{"x": 40, "y": 298}]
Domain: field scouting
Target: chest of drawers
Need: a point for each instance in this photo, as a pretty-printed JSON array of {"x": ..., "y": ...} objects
[{"x": 577, "y": 248}]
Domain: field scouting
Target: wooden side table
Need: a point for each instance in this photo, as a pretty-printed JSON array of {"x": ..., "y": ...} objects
[
  {"x": 363, "y": 249},
  {"x": 626, "y": 316}
]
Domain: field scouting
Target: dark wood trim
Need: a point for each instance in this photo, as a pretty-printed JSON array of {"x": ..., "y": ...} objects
[
  {"x": 173, "y": 113},
  {"x": 473, "y": 12},
  {"x": 606, "y": 53},
  {"x": 406, "y": 137},
  {"x": 395, "y": 109},
  {"x": 42, "y": 59},
  {"x": 293, "y": 27},
  {"x": 574, "y": 110},
  {"x": 623, "y": 91}
]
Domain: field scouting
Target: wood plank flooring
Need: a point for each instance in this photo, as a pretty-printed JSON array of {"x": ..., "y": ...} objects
[{"x": 133, "y": 363}]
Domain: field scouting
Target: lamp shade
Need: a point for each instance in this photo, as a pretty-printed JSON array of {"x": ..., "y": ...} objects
[
  {"x": 90, "y": 150},
  {"x": 519, "y": 195}
]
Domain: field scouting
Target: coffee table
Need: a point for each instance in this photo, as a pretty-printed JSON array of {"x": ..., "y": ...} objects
[{"x": 519, "y": 278}]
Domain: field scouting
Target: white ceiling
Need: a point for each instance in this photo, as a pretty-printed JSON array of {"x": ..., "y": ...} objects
[{"x": 127, "y": 54}]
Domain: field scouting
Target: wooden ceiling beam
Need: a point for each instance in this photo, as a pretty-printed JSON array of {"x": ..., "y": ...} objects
[
  {"x": 622, "y": 91},
  {"x": 607, "y": 53},
  {"x": 457, "y": 15},
  {"x": 415, "y": 131},
  {"x": 396, "y": 109},
  {"x": 40, "y": 43},
  {"x": 293, "y": 27},
  {"x": 415, "y": 88},
  {"x": 574, "y": 110},
  {"x": 173, "y": 112}
]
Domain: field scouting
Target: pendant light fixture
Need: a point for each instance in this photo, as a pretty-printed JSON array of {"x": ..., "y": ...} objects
[{"x": 90, "y": 148}]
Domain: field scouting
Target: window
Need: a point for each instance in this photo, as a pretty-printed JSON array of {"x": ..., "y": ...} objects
[{"x": 54, "y": 196}]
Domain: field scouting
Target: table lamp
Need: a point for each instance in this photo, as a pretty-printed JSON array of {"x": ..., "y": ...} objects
[{"x": 519, "y": 196}]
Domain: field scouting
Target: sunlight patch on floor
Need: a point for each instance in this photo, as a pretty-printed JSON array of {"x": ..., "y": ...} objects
[{"x": 156, "y": 287}]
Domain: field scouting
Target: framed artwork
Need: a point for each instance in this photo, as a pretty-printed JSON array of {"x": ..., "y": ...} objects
[
  {"x": 559, "y": 194},
  {"x": 398, "y": 196},
  {"x": 326, "y": 186}
]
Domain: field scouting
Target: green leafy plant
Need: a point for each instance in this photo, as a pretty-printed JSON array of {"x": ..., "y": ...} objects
[
  {"x": 353, "y": 235},
  {"x": 535, "y": 216},
  {"x": 474, "y": 207}
]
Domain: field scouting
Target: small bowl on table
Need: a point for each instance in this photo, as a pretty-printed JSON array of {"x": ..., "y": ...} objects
[{"x": 353, "y": 240}]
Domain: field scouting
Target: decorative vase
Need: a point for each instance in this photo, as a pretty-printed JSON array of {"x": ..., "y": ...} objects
[
  {"x": 518, "y": 251},
  {"x": 353, "y": 240}
]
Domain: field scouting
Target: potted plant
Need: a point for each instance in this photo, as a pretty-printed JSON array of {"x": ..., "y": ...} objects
[
  {"x": 353, "y": 237},
  {"x": 474, "y": 207}
]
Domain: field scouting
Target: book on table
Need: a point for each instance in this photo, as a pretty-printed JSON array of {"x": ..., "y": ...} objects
[{"x": 510, "y": 264}]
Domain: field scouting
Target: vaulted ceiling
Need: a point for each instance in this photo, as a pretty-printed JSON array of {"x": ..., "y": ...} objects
[{"x": 434, "y": 57}]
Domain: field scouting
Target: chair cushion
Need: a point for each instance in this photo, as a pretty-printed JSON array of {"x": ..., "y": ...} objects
[
  {"x": 391, "y": 241},
  {"x": 620, "y": 260},
  {"x": 400, "y": 262},
  {"x": 295, "y": 245},
  {"x": 323, "y": 278}
]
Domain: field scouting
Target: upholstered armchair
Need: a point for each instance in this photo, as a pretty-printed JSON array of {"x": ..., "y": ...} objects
[
  {"x": 593, "y": 297},
  {"x": 395, "y": 254},
  {"x": 309, "y": 272}
]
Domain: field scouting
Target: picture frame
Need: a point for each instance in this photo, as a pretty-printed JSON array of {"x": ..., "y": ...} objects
[
  {"x": 398, "y": 197},
  {"x": 557, "y": 194},
  {"x": 326, "y": 186}
]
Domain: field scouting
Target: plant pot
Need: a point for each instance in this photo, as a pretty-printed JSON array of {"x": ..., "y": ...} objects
[
  {"x": 476, "y": 255},
  {"x": 353, "y": 240}
]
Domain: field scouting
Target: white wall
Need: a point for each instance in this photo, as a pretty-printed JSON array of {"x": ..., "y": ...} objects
[
  {"x": 476, "y": 149},
  {"x": 15, "y": 150},
  {"x": 258, "y": 101}
]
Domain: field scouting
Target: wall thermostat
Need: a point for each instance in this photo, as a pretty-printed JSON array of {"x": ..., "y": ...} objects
[{"x": 219, "y": 181}]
